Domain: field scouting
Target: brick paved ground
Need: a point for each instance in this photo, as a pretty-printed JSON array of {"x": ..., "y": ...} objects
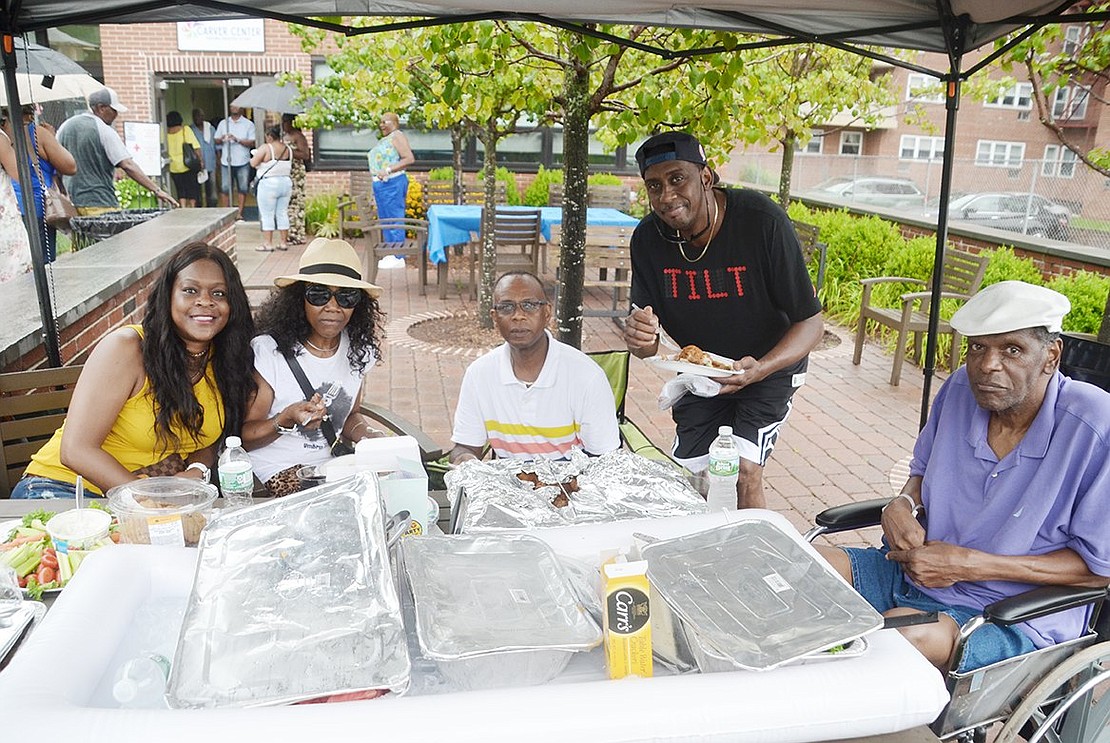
[{"x": 848, "y": 429}]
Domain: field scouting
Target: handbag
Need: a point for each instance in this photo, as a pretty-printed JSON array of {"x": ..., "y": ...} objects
[
  {"x": 57, "y": 208},
  {"x": 339, "y": 447},
  {"x": 189, "y": 157},
  {"x": 167, "y": 467}
]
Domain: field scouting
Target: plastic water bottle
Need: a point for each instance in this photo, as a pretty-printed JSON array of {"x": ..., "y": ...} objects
[
  {"x": 140, "y": 683},
  {"x": 724, "y": 468},
  {"x": 236, "y": 474}
]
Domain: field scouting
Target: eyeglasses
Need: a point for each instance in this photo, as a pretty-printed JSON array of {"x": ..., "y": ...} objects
[
  {"x": 317, "y": 296},
  {"x": 508, "y": 309}
]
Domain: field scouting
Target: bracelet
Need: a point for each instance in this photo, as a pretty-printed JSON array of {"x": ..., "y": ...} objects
[
  {"x": 205, "y": 473},
  {"x": 283, "y": 430},
  {"x": 915, "y": 507},
  {"x": 368, "y": 427}
]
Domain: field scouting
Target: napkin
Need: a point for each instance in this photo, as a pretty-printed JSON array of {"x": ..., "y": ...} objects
[{"x": 675, "y": 388}]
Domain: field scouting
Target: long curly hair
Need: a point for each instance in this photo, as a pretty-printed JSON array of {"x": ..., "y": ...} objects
[
  {"x": 282, "y": 317},
  {"x": 164, "y": 354}
]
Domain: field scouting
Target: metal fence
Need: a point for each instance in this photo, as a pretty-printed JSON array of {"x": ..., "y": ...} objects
[{"x": 1059, "y": 199}]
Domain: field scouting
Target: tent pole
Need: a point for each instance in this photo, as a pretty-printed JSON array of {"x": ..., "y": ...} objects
[
  {"x": 952, "y": 105},
  {"x": 22, "y": 145}
]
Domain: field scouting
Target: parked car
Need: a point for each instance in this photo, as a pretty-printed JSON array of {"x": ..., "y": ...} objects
[
  {"x": 1028, "y": 214},
  {"x": 874, "y": 190}
]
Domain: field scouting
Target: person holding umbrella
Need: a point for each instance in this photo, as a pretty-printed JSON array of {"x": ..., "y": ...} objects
[{"x": 49, "y": 161}]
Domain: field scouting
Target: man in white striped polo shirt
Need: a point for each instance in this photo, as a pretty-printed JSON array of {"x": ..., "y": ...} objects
[{"x": 532, "y": 397}]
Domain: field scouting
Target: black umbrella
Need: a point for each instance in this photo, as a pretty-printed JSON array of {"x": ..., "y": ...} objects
[
  {"x": 33, "y": 59},
  {"x": 270, "y": 96}
]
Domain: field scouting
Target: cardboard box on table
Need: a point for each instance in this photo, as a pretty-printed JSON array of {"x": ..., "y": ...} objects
[{"x": 401, "y": 477}]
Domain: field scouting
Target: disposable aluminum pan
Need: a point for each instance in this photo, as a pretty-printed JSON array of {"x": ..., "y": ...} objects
[
  {"x": 293, "y": 600},
  {"x": 494, "y": 610},
  {"x": 709, "y": 660},
  {"x": 754, "y": 595},
  {"x": 492, "y": 496}
]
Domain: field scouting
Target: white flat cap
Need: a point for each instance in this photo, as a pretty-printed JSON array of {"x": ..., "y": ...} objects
[{"x": 1008, "y": 306}]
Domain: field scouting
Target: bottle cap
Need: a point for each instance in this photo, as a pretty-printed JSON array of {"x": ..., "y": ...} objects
[
  {"x": 234, "y": 441},
  {"x": 722, "y": 431},
  {"x": 125, "y": 690}
]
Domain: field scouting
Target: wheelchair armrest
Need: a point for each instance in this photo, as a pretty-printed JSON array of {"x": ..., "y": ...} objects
[
  {"x": 851, "y": 515},
  {"x": 1040, "y": 602}
]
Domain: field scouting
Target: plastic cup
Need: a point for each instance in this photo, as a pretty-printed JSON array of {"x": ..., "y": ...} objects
[
  {"x": 78, "y": 529},
  {"x": 311, "y": 475}
]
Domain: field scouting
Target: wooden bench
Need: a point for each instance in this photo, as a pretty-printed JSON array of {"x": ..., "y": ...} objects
[
  {"x": 359, "y": 209},
  {"x": 33, "y": 405},
  {"x": 813, "y": 250},
  {"x": 607, "y": 263}
]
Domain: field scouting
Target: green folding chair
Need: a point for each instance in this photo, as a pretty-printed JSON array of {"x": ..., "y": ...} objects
[{"x": 615, "y": 365}]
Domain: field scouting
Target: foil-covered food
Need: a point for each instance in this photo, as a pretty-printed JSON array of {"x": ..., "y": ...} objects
[
  {"x": 514, "y": 494},
  {"x": 293, "y": 600},
  {"x": 494, "y": 609}
]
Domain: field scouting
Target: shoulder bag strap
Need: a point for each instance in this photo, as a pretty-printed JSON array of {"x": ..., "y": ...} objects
[{"x": 306, "y": 387}]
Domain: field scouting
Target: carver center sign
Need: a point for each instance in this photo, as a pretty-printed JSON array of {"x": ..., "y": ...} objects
[{"x": 222, "y": 36}]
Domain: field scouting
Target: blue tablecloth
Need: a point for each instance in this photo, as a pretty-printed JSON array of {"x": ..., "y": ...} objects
[{"x": 450, "y": 224}]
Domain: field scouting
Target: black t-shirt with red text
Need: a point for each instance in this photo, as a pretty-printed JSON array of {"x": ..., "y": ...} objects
[{"x": 742, "y": 296}]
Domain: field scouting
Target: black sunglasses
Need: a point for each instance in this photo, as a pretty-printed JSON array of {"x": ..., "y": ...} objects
[{"x": 317, "y": 296}]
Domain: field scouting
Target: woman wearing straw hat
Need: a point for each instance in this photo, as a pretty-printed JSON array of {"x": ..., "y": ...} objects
[{"x": 324, "y": 325}]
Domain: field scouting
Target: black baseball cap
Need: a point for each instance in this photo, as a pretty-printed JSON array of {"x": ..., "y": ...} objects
[{"x": 672, "y": 146}]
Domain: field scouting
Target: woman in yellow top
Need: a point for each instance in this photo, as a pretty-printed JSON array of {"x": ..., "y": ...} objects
[
  {"x": 184, "y": 180},
  {"x": 160, "y": 397}
]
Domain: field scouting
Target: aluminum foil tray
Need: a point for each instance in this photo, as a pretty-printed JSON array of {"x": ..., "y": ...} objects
[
  {"x": 494, "y": 610},
  {"x": 293, "y": 599},
  {"x": 750, "y": 593},
  {"x": 489, "y": 496}
]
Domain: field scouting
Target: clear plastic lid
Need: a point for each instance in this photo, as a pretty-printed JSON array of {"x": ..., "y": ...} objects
[{"x": 161, "y": 495}]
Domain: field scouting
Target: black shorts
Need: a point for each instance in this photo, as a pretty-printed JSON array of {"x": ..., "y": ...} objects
[
  {"x": 755, "y": 413},
  {"x": 186, "y": 185}
]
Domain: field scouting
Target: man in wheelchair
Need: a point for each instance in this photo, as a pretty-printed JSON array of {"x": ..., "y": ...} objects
[{"x": 1011, "y": 477}]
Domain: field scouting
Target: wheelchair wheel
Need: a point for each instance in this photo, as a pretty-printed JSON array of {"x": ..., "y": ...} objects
[{"x": 1069, "y": 705}]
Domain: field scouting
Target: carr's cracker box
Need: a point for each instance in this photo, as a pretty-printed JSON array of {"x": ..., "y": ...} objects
[{"x": 627, "y": 619}]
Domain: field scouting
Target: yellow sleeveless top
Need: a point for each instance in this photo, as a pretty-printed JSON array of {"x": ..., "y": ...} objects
[{"x": 132, "y": 440}]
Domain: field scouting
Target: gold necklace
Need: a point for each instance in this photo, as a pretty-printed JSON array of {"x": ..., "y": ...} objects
[
  {"x": 198, "y": 354},
  {"x": 328, "y": 351},
  {"x": 712, "y": 233}
]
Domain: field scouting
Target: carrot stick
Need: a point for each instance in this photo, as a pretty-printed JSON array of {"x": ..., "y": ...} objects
[{"x": 18, "y": 541}]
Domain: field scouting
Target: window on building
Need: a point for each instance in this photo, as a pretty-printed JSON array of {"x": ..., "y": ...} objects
[
  {"x": 1069, "y": 103},
  {"x": 1073, "y": 39},
  {"x": 924, "y": 88},
  {"x": 993, "y": 154},
  {"x": 914, "y": 147},
  {"x": 813, "y": 146},
  {"x": 851, "y": 143},
  {"x": 1059, "y": 162},
  {"x": 1018, "y": 95}
]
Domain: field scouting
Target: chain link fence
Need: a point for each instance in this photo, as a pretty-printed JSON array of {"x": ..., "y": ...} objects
[{"x": 1059, "y": 199}]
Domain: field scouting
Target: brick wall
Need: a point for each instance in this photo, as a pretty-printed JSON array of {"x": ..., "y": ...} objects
[{"x": 126, "y": 307}]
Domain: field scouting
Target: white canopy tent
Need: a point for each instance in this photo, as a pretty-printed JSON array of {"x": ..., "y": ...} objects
[{"x": 951, "y": 27}]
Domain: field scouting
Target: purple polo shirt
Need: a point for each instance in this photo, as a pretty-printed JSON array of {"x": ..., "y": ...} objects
[{"x": 1051, "y": 492}]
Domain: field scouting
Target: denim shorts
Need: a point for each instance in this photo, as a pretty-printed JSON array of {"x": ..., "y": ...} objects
[
  {"x": 241, "y": 174},
  {"x": 884, "y": 585},
  {"x": 33, "y": 487}
]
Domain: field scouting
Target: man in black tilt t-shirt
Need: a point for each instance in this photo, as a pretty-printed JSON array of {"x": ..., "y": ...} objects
[{"x": 721, "y": 269}]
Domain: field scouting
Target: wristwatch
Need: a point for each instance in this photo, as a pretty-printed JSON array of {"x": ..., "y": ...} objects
[{"x": 205, "y": 473}]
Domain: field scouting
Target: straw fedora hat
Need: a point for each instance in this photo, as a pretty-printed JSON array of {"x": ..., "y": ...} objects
[{"x": 331, "y": 263}]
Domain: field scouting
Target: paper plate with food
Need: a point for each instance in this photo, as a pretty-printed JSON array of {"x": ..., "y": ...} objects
[
  {"x": 693, "y": 360},
  {"x": 42, "y": 565}
]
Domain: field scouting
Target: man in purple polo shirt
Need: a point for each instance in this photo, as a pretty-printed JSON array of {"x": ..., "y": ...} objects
[{"x": 1012, "y": 476}]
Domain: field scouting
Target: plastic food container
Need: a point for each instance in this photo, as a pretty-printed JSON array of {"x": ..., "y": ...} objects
[
  {"x": 494, "y": 610},
  {"x": 750, "y": 596},
  {"x": 169, "y": 511},
  {"x": 78, "y": 529}
]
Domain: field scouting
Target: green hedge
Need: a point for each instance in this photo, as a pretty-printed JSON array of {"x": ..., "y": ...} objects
[{"x": 866, "y": 247}]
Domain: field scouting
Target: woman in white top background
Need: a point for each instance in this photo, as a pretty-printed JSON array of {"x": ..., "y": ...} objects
[{"x": 273, "y": 163}]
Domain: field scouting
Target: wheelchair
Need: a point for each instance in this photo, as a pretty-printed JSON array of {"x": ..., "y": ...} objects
[{"x": 1058, "y": 694}]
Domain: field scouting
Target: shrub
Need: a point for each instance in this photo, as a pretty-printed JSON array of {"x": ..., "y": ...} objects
[
  {"x": 443, "y": 173},
  {"x": 604, "y": 179},
  {"x": 538, "y": 189},
  {"x": 1005, "y": 265},
  {"x": 321, "y": 215},
  {"x": 414, "y": 200},
  {"x": 512, "y": 193},
  {"x": 1088, "y": 292}
]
